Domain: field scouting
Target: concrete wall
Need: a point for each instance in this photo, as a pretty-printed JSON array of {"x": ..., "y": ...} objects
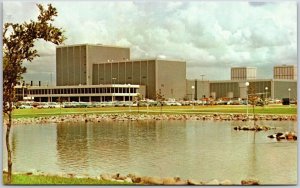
[
  {"x": 201, "y": 87},
  {"x": 258, "y": 87},
  {"x": 104, "y": 54},
  {"x": 71, "y": 65},
  {"x": 225, "y": 89},
  {"x": 281, "y": 89},
  {"x": 238, "y": 89},
  {"x": 171, "y": 78}
]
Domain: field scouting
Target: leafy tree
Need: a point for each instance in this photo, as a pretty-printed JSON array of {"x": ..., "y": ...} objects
[
  {"x": 138, "y": 98},
  {"x": 60, "y": 100},
  {"x": 253, "y": 99},
  {"x": 18, "y": 46}
]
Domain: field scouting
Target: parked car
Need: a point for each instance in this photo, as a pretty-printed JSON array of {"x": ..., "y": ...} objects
[
  {"x": 23, "y": 106},
  {"x": 171, "y": 103},
  {"x": 54, "y": 105}
]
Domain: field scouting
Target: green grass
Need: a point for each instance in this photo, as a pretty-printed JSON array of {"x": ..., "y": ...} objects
[
  {"x": 270, "y": 109},
  {"x": 21, "y": 179}
]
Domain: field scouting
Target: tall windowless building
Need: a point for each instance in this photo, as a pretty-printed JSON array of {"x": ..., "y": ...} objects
[{"x": 74, "y": 62}]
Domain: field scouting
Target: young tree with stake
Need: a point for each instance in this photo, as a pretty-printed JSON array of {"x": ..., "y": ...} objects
[{"x": 18, "y": 46}]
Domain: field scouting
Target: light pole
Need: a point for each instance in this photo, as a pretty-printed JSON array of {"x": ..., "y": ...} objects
[
  {"x": 23, "y": 85},
  {"x": 193, "y": 89},
  {"x": 129, "y": 98},
  {"x": 289, "y": 96},
  {"x": 247, "y": 84},
  {"x": 202, "y": 75},
  {"x": 266, "y": 88}
]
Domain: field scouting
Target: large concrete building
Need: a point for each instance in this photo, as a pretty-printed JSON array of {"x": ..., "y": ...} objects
[
  {"x": 74, "y": 63},
  {"x": 243, "y": 73},
  {"x": 286, "y": 72}
]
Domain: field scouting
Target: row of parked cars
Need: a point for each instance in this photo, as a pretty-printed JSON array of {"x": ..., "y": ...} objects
[{"x": 40, "y": 105}]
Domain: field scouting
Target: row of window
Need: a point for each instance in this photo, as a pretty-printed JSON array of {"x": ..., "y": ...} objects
[{"x": 81, "y": 91}]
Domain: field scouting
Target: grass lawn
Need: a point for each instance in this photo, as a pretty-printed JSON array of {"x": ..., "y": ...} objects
[
  {"x": 270, "y": 109},
  {"x": 21, "y": 179}
]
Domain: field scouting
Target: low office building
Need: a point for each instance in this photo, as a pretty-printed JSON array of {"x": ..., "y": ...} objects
[{"x": 96, "y": 93}]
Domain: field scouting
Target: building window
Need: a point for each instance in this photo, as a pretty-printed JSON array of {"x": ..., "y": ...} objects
[{"x": 81, "y": 91}]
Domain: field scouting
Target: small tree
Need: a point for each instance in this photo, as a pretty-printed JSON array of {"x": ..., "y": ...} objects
[
  {"x": 160, "y": 98},
  {"x": 253, "y": 98},
  {"x": 138, "y": 98},
  {"x": 60, "y": 100},
  {"x": 18, "y": 46}
]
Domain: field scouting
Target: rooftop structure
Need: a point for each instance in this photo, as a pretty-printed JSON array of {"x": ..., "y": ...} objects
[
  {"x": 243, "y": 73},
  {"x": 286, "y": 72}
]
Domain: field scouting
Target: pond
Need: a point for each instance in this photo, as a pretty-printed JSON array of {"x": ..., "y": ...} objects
[{"x": 202, "y": 150}]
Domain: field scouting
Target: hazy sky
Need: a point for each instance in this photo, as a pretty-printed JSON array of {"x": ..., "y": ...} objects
[{"x": 210, "y": 36}]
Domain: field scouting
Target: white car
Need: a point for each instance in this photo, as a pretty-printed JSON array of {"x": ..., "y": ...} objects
[
  {"x": 25, "y": 106},
  {"x": 54, "y": 105},
  {"x": 172, "y": 103}
]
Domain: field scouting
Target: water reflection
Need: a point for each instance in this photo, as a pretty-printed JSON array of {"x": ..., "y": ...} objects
[
  {"x": 201, "y": 150},
  {"x": 72, "y": 146}
]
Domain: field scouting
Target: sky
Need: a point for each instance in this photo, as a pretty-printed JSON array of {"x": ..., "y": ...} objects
[{"x": 211, "y": 37}]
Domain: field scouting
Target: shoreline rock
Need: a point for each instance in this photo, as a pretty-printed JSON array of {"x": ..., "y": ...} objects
[{"x": 96, "y": 118}]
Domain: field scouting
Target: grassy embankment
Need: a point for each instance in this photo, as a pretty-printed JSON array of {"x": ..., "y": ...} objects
[
  {"x": 270, "y": 109},
  {"x": 22, "y": 179}
]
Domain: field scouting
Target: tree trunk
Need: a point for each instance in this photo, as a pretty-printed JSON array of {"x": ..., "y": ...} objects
[
  {"x": 161, "y": 108},
  {"x": 9, "y": 162},
  {"x": 254, "y": 118}
]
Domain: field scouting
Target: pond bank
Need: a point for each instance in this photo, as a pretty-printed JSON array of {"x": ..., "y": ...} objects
[
  {"x": 140, "y": 117},
  {"x": 37, "y": 177}
]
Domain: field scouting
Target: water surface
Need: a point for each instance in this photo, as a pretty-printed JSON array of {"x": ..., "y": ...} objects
[{"x": 202, "y": 150}]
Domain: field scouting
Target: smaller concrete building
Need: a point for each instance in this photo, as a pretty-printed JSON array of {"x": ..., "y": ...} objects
[
  {"x": 270, "y": 88},
  {"x": 157, "y": 75}
]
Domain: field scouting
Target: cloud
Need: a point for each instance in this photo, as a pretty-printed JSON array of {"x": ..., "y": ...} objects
[{"x": 210, "y": 36}]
